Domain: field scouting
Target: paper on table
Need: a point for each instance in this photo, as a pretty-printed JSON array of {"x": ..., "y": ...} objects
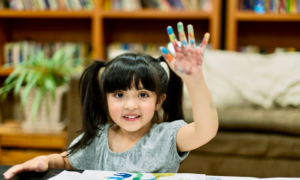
[
  {"x": 143, "y": 176},
  {"x": 247, "y": 178},
  {"x": 66, "y": 175},
  {"x": 101, "y": 175},
  {"x": 282, "y": 178},
  {"x": 229, "y": 178}
]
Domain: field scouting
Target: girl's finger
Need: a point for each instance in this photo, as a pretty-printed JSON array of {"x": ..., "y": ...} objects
[
  {"x": 174, "y": 66},
  {"x": 181, "y": 33},
  {"x": 13, "y": 171},
  {"x": 191, "y": 35},
  {"x": 204, "y": 41},
  {"x": 167, "y": 55},
  {"x": 172, "y": 37}
]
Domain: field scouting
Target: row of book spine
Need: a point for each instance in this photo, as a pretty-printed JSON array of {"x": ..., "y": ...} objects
[
  {"x": 152, "y": 49},
  {"x": 262, "y": 50},
  {"x": 118, "y": 48},
  {"x": 32, "y": 5},
  {"x": 129, "y": 5},
  {"x": 16, "y": 52},
  {"x": 270, "y": 6}
]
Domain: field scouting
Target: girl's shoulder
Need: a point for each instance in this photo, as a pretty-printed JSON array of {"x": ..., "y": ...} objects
[
  {"x": 173, "y": 123},
  {"x": 168, "y": 126}
]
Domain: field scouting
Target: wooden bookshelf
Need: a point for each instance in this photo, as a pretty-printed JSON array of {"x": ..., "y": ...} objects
[
  {"x": 18, "y": 146},
  {"x": 266, "y": 30},
  {"x": 46, "y": 14},
  {"x": 101, "y": 27}
]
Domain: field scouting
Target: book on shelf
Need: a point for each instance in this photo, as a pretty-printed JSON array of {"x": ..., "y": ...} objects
[
  {"x": 164, "y": 5},
  {"x": 263, "y": 50},
  {"x": 117, "y": 48},
  {"x": 270, "y": 6},
  {"x": 53, "y": 5},
  {"x": 16, "y": 52}
]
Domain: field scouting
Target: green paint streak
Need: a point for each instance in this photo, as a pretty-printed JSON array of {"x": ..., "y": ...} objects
[
  {"x": 190, "y": 28},
  {"x": 138, "y": 176},
  {"x": 180, "y": 27}
]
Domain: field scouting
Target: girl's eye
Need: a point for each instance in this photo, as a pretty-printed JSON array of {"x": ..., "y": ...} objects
[
  {"x": 143, "y": 95},
  {"x": 119, "y": 95}
]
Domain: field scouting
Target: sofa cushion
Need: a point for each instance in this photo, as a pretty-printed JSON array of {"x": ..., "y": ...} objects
[
  {"x": 228, "y": 165},
  {"x": 281, "y": 120},
  {"x": 249, "y": 144}
]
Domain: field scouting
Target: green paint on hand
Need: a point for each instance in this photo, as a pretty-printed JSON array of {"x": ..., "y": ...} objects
[{"x": 180, "y": 27}]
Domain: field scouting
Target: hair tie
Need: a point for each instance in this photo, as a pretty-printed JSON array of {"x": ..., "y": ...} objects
[
  {"x": 101, "y": 70},
  {"x": 163, "y": 63},
  {"x": 166, "y": 68}
]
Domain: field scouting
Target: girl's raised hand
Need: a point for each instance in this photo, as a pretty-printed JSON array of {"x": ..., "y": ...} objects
[
  {"x": 38, "y": 164},
  {"x": 188, "y": 57}
]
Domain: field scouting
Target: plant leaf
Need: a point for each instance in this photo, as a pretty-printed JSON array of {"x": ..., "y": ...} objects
[
  {"x": 69, "y": 51},
  {"x": 12, "y": 75},
  {"x": 36, "y": 104},
  {"x": 29, "y": 87},
  {"x": 20, "y": 81},
  {"x": 30, "y": 76},
  {"x": 50, "y": 83},
  {"x": 6, "y": 89},
  {"x": 47, "y": 102},
  {"x": 57, "y": 56}
]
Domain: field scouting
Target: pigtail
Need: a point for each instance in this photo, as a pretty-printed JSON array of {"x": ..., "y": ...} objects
[
  {"x": 173, "y": 105},
  {"x": 93, "y": 113}
]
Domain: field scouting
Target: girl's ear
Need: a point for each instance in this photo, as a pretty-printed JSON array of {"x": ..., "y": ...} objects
[{"x": 160, "y": 101}]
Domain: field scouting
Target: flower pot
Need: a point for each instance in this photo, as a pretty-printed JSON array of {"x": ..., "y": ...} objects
[{"x": 54, "y": 120}]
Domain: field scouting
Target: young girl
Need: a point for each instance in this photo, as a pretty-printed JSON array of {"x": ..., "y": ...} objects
[{"x": 129, "y": 90}]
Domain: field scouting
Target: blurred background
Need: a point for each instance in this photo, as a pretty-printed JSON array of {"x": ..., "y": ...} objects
[{"x": 251, "y": 65}]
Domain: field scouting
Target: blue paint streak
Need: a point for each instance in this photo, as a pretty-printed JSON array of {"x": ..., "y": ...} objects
[
  {"x": 164, "y": 50},
  {"x": 170, "y": 30}
]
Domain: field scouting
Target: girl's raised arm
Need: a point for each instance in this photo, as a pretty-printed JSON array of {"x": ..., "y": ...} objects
[
  {"x": 187, "y": 64},
  {"x": 40, "y": 164}
]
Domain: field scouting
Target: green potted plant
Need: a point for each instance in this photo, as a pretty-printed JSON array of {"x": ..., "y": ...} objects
[{"x": 41, "y": 83}]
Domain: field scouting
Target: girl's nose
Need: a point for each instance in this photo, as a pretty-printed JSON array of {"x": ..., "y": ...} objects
[{"x": 131, "y": 105}]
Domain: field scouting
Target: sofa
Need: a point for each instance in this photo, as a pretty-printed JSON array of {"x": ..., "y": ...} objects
[{"x": 258, "y": 136}]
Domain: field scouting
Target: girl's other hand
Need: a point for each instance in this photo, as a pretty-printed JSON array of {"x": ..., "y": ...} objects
[
  {"x": 188, "y": 57},
  {"x": 38, "y": 164}
]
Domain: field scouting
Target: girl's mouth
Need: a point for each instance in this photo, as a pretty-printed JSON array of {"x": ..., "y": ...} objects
[{"x": 131, "y": 118}]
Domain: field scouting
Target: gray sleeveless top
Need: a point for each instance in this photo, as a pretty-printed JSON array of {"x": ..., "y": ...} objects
[{"x": 155, "y": 152}]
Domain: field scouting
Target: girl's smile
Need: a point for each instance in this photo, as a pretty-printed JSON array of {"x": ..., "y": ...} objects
[{"x": 131, "y": 117}]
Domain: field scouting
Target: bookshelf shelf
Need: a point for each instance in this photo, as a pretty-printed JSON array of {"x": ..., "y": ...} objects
[
  {"x": 5, "y": 72},
  {"x": 252, "y": 16},
  {"x": 156, "y": 14},
  {"x": 46, "y": 14},
  {"x": 267, "y": 30},
  {"x": 18, "y": 146}
]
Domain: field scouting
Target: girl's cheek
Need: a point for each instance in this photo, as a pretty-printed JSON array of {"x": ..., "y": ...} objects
[
  {"x": 114, "y": 109},
  {"x": 149, "y": 107}
]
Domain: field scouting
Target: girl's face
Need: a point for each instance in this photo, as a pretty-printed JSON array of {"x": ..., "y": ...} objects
[{"x": 132, "y": 109}]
